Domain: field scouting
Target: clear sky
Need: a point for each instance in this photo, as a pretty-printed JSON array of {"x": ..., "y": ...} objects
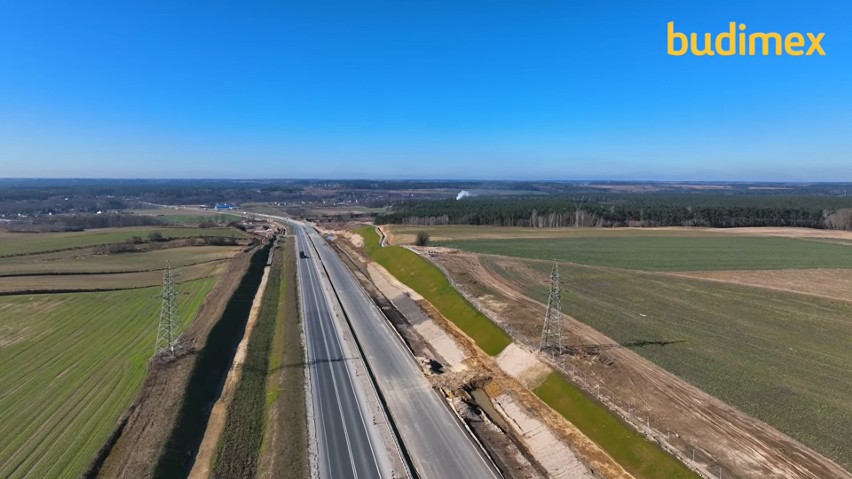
[{"x": 418, "y": 89}]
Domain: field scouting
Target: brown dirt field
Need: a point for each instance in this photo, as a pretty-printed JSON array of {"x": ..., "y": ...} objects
[
  {"x": 633, "y": 386},
  {"x": 785, "y": 232},
  {"x": 825, "y": 283},
  {"x": 404, "y": 234},
  {"x": 154, "y": 410}
]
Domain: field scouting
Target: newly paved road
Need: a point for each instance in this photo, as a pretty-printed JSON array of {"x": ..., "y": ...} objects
[
  {"x": 437, "y": 443},
  {"x": 344, "y": 433}
]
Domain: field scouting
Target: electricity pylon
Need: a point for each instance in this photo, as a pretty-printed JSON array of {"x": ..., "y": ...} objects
[
  {"x": 552, "y": 333},
  {"x": 168, "y": 331}
]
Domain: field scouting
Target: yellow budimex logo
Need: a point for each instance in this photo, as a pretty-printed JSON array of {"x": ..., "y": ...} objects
[{"x": 734, "y": 43}]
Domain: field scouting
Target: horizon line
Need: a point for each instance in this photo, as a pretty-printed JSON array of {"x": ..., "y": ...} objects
[{"x": 423, "y": 180}]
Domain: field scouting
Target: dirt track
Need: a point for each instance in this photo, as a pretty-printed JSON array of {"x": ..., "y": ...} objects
[
  {"x": 824, "y": 283},
  {"x": 719, "y": 433}
]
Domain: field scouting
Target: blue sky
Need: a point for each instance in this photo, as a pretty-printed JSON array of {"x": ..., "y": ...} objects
[{"x": 418, "y": 89}]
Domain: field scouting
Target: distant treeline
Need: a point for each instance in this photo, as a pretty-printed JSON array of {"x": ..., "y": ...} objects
[
  {"x": 37, "y": 197},
  {"x": 630, "y": 210},
  {"x": 83, "y": 222},
  {"x": 155, "y": 240}
]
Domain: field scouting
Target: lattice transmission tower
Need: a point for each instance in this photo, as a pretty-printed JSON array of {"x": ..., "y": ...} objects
[
  {"x": 168, "y": 333},
  {"x": 553, "y": 330}
]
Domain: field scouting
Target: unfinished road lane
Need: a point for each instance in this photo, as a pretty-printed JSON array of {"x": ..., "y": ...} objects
[
  {"x": 436, "y": 441},
  {"x": 344, "y": 443}
]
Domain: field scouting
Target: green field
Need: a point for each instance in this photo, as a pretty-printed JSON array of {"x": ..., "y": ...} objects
[
  {"x": 430, "y": 282},
  {"x": 70, "y": 364},
  {"x": 629, "y": 448},
  {"x": 28, "y": 243},
  {"x": 84, "y": 261},
  {"x": 672, "y": 252},
  {"x": 103, "y": 282},
  {"x": 88, "y": 269},
  {"x": 782, "y": 357}
]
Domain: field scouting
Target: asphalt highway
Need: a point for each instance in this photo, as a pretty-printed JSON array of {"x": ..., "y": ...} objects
[
  {"x": 346, "y": 445},
  {"x": 436, "y": 441}
]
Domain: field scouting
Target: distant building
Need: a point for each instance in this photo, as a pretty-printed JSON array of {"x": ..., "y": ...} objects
[{"x": 224, "y": 206}]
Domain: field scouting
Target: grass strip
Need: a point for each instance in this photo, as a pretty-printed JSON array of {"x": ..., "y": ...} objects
[
  {"x": 428, "y": 281},
  {"x": 628, "y": 447},
  {"x": 285, "y": 445},
  {"x": 239, "y": 445}
]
